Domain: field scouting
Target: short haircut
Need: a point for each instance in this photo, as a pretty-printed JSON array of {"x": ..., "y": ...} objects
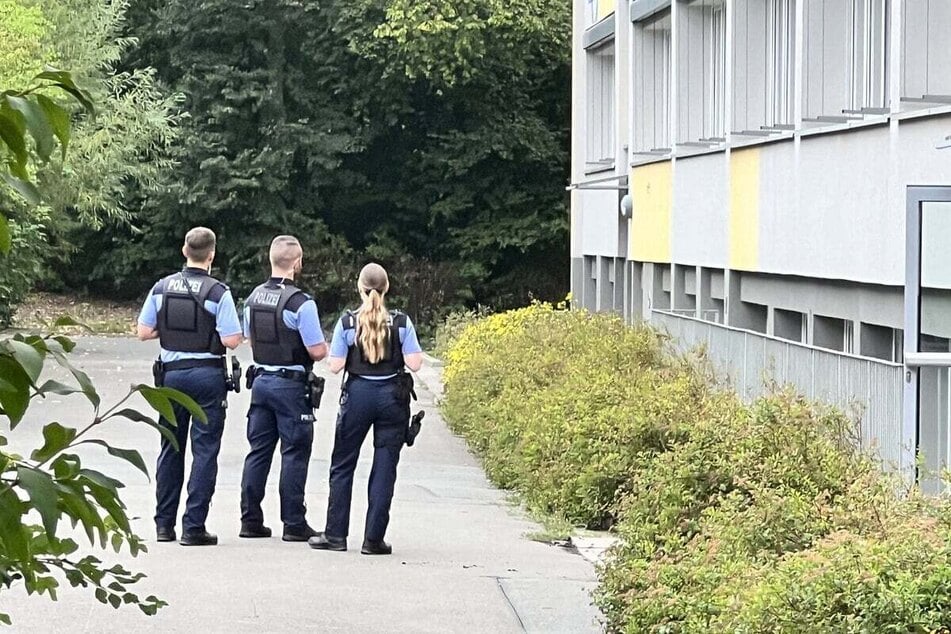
[
  {"x": 199, "y": 244},
  {"x": 284, "y": 251}
]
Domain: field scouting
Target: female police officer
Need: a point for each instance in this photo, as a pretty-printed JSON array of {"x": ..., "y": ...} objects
[{"x": 375, "y": 346}]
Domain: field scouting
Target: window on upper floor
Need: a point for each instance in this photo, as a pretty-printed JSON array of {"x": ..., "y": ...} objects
[
  {"x": 597, "y": 10},
  {"x": 652, "y": 79},
  {"x": 844, "y": 53},
  {"x": 763, "y": 65},
  {"x": 600, "y": 100},
  {"x": 926, "y": 51},
  {"x": 701, "y": 73}
]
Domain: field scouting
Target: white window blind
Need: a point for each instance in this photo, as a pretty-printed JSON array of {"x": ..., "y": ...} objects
[
  {"x": 701, "y": 76},
  {"x": 601, "y": 112},
  {"x": 652, "y": 81},
  {"x": 926, "y": 48},
  {"x": 763, "y": 64}
]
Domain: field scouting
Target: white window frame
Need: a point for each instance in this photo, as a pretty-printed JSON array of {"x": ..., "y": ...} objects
[
  {"x": 780, "y": 69},
  {"x": 654, "y": 136}
]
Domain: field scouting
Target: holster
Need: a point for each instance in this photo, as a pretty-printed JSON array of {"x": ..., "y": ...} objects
[
  {"x": 405, "y": 385},
  {"x": 414, "y": 427},
  {"x": 249, "y": 375},
  {"x": 158, "y": 373},
  {"x": 315, "y": 389},
  {"x": 233, "y": 378}
]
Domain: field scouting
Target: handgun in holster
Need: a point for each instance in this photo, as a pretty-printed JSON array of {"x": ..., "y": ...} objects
[
  {"x": 158, "y": 373},
  {"x": 249, "y": 375},
  {"x": 315, "y": 389},
  {"x": 233, "y": 379},
  {"x": 414, "y": 427}
]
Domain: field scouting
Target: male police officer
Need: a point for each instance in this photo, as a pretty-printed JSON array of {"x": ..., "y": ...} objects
[
  {"x": 194, "y": 317},
  {"x": 282, "y": 323}
]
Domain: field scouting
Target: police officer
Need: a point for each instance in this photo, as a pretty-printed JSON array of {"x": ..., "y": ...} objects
[
  {"x": 284, "y": 328},
  {"x": 194, "y": 317},
  {"x": 375, "y": 346}
]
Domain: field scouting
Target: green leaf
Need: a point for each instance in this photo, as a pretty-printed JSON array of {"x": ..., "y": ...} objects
[
  {"x": 86, "y": 384},
  {"x": 12, "y": 530},
  {"x": 131, "y": 456},
  {"x": 5, "y": 240},
  {"x": 15, "y": 388},
  {"x": 5, "y": 619},
  {"x": 58, "y": 119},
  {"x": 31, "y": 360},
  {"x": 56, "y": 438},
  {"x": 12, "y": 134},
  {"x": 43, "y": 495},
  {"x": 173, "y": 395},
  {"x": 158, "y": 401},
  {"x": 55, "y": 387},
  {"x": 66, "y": 466},
  {"x": 67, "y": 344},
  {"x": 68, "y": 320},
  {"x": 115, "y": 600},
  {"x": 25, "y": 188},
  {"x": 65, "y": 81},
  {"x": 37, "y": 124}
]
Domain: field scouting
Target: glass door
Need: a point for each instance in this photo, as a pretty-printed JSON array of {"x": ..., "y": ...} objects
[{"x": 927, "y": 424}]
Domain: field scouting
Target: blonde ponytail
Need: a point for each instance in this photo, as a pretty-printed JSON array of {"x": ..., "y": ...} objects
[{"x": 373, "y": 328}]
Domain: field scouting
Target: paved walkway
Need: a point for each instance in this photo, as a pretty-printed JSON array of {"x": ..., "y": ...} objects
[{"x": 461, "y": 561}]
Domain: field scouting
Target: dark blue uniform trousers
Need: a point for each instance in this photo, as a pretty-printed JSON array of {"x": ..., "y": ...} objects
[
  {"x": 366, "y": 404},
  {"x": 207, "y": 387},
  {"x": 281, "y": 411}
]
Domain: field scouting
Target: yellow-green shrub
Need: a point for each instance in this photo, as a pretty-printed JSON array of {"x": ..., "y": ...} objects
[
  {"x": 564, "y": 405},
  {"x": 732, "y": 517}
]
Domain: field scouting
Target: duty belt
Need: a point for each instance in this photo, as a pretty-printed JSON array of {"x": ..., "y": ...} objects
[
  {"x": 187, "y": 364},
  {"x": 284, "y": 373}
]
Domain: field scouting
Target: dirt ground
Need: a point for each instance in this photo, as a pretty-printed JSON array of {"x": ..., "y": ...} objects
[{"x": 99, "y": 315}]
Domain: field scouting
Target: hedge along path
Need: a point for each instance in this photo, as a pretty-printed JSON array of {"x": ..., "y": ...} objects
[{"x": 733, "y": 517}]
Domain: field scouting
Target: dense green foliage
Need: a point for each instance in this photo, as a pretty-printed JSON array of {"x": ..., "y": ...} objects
[
  {"x": 114, "y": 157},
  {"x": 373, "y": 130},
  {"x": 731, "y": 517}
]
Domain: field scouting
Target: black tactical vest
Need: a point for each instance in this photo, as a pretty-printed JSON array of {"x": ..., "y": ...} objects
[
  {"x": 392, "y": 361},
  {"x": 272, "y": 342},
  {"x": 183, "y": 323}
]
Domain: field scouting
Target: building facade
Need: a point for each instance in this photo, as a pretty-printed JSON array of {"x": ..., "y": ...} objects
[{"x": 751, "y": 163}]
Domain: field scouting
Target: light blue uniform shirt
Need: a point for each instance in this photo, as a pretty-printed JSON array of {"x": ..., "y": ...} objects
[
  {"x": 224, "y": 311},
  {"x": 305, "y": 320},
  {"x": 342, "y": 340}
]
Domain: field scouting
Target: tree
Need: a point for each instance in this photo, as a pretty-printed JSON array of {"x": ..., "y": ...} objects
[
  {"x": 437, "y": 147},
  {"x": 52, "y": 482},
  {"x": 115, "y": 158}
]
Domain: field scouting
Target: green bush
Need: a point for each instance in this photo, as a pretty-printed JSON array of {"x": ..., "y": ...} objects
[
  {"x": 566, "y": 406},
  {"x": 731, "y": 517}
]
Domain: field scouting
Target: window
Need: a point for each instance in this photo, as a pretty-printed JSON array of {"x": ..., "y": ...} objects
[
  {"x": 844, "y": 52},
  {"x": 600, "y": 105},
  {"x": 702, "y": 72},
  {"x": 652, "y": 77},
  {"x": 926, "y": 52},
  {"x": 763, "y": 58}
]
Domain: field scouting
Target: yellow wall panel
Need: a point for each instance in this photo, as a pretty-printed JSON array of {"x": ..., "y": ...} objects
[
  {"x": 744, "y": 209},
  {"x": 652, "y": 193},
  {"x": 605, "y": 8}
]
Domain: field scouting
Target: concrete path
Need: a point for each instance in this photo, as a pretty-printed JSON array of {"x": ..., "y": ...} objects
[{"x": 461, "y": 563}]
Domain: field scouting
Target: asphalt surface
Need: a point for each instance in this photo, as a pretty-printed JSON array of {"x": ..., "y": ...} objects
[{"x": 462, "y": 559}]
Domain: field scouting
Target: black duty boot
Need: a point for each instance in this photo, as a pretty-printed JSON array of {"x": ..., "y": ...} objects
[
  {"x": 252, "y": 531},
  {"x": 198, "y": 538},
  {"x": 165, "y": 534},
  {"x": 322, "y": 541},
  {"x": 371, "y": 547},
  {"x": 298, "y": 533}
]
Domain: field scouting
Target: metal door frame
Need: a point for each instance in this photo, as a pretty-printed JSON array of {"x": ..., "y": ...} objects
[{"x": 914, "y": 359}]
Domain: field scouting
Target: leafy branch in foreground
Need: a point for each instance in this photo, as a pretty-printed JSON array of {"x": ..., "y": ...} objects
[{"x": 53, "y": 483}]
